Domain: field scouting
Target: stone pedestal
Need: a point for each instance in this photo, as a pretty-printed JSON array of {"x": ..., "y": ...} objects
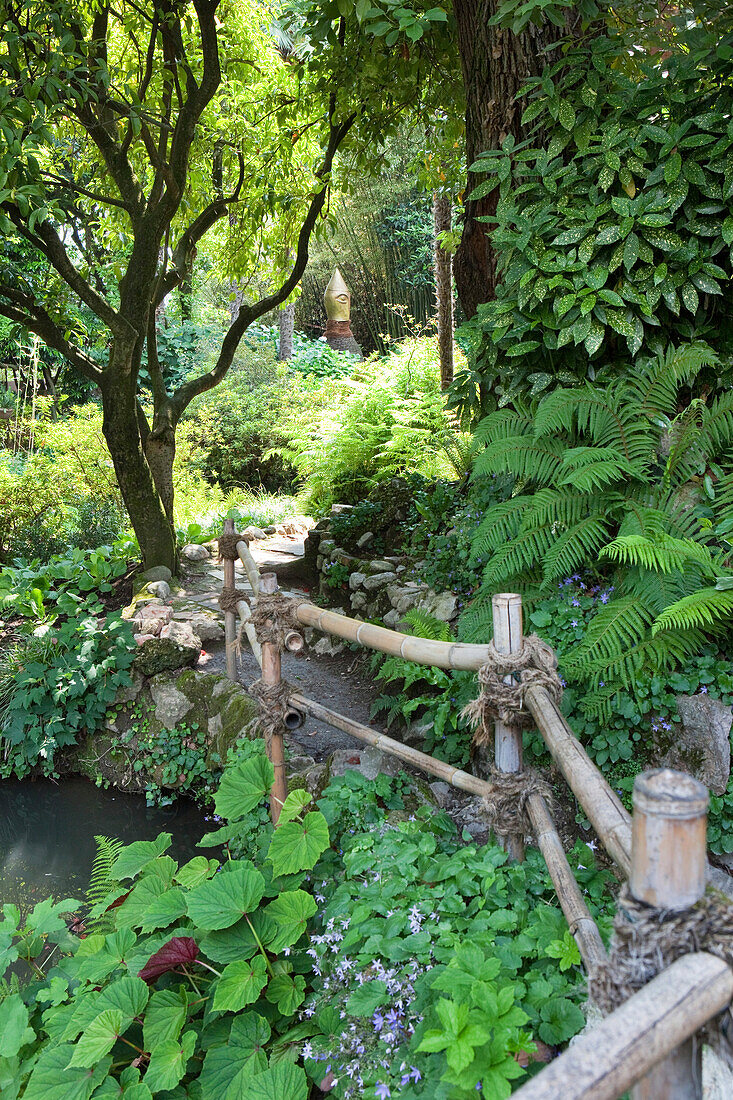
[{"x": 340, "y": 337}]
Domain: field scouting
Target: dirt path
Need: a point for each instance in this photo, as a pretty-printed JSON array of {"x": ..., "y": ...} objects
[{"x": 345, "y": 682}]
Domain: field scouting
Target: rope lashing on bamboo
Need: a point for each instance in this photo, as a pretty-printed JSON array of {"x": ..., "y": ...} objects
[
  {"x": 230, "y": 597},
  {"x": 272, "y": 700},
  {"x": 274, "y": 616},
  {"x": 228, "y": 545},
  {"x": 535, "y": 664},
  {"x": 647, "y": 940},
  {"x": 506, "y": 806}
]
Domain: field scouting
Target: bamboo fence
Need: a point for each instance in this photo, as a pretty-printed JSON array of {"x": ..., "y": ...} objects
[{"x": 648, "y": 1044}]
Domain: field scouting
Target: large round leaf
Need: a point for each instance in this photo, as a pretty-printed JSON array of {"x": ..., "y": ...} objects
[
  {"x": 240, "y": 984},
  {"x": 226, "y": 898},
  {"x": 296, "y": 846}
]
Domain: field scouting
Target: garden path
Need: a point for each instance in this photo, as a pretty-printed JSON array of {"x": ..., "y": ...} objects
[{"x": 343, "y": 682}]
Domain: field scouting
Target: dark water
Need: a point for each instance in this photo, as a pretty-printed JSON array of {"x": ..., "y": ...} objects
[{"x": 47, "y": 834}]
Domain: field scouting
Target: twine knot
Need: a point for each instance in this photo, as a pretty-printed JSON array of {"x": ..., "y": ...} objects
[
  {"x": 535, "y": 664},
  {"x": 506, "y": 806}
]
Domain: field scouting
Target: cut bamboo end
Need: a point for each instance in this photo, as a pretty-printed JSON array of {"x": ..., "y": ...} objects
[{"x": 506, "y": 608}]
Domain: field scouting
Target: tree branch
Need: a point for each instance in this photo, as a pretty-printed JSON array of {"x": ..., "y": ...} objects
[{"x": 39, "y": 322}]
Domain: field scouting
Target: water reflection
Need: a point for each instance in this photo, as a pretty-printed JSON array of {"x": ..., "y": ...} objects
[{"x": 47, "y": 834}]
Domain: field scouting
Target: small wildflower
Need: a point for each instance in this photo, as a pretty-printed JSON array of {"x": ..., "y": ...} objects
[{"x": 382, "y": 1091}]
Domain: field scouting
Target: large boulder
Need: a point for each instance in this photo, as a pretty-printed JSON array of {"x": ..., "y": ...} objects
[
  {"x": 702, "y": 744},
  {"x": 195, "y": 552},
  {"x": 175, "y": 647}
]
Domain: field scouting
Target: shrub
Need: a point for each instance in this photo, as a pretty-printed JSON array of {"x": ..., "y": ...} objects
[
  {"x": 388, "y": 419},
  {"x": 309, "y": 356}
]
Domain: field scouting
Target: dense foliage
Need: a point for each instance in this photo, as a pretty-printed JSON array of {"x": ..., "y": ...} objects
[{"x": 615, "y": 219}]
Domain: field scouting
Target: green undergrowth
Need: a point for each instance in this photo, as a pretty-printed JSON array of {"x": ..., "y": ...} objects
[{"x": 363, "y": 942}]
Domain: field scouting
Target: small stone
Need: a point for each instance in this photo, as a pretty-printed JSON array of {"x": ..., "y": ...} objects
[
  {"x": 443, "y": 606},
  {"x": 702, "y": 746},
  {"x": 195, "y": 552},
  {"x": 251, "y": 533},
  {"x": 160, "y": 589},
  {"x": 171, "y": 705},
  {"x": 365, "y": 539},
  {"x": 326, "y": 546},
  {"x": 358, "y": 601},
  {"x": 177, "y": 647},
  {"x": 207, "y": 628},
  {"x": 356, "y": 580},
  {"x": 391, "y": 619},
  {"x": 142, "y": 639},
  {"x": 339, "y": 509},
  {"x": 378, "y": 580},
  {"x": 157, "y": 573},
  {"x": 369, "y": 761},
  {"x": 443, "y": 792},
  {"x": 380, "y": 567},
  {"x": 326, "y": 646},
  {"x": 319, "y": 562},
  {"x": 270, "y": 529}
]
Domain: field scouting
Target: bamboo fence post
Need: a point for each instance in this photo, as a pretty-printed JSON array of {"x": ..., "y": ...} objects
[
  {"x": 668, "y": 871},
  {"x": 230, "y": 619},
  {"x": 507, "y": 614},
  {"x": 271, "y": 677}
]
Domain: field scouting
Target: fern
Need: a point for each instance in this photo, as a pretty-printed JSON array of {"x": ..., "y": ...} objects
[
  {"x": 100, "y": 880},
  {"x": 589, "y": 468},
  {"x": 573, "y": 548},
  {"x": 527, "y": 459},
  {"x": 425, "y": 625},
  {"x": 663, "y": 554},
  {"x": 708, "y": 609},
  {"x": 655, "y": 390}
]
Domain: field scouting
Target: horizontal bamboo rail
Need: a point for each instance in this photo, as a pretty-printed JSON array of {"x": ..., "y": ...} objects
[
  {"x": 573, "y": 905},
  {"x": 600, "y": 803},
  {"x": 423, "y": 651},
  {"x": 610, "y": 1058}
]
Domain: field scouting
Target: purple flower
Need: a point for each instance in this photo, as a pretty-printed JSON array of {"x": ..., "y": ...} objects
[
  {"x": 703, "y": 690},
  {"x": 378, "y": 1021},
  {"x": 415, "y": 1073},
  {"x": 604, "y": 597},
  {"x": 382, "y": 1091},
  {"x": 575, "y": 602},
  {"x": 574, "y": 622}
]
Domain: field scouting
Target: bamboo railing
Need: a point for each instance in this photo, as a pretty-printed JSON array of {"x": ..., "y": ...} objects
[{"x": 648, "y": 1044}]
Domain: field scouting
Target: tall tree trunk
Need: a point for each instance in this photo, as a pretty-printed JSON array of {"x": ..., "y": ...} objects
[
  {"x": 495, "y": 63},
  {"x": 442, "y": 221},
  {"x": 186, "y": 295},
  {"x": 142, "y": 499},
  {"x": 286, "y": 321}
]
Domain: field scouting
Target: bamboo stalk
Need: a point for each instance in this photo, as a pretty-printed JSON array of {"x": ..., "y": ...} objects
[
  {"x": 599, "y": 802},
  {"x": 668, "y": 871},
  {"x": 572, "y": 902},
  {"x": 507, "y": 615},
  {"x": 571, "y": 899},
  {"x": 230, "y": 619},
  {"x": 605, "y": 1062},
  {"x": 250, "y": 566},
  {"x": 424, "y": 651},
  {"x": 271, "y": 677},
  {"x": 245, "y": 615}
]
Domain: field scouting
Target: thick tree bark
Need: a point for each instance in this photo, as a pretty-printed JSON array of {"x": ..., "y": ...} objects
[
  {"x": 286, "y": 322},
  {"x": 120, "y": 424},
  {"x": 442, "y": 221},
  {"x": 495, "y": 63}
]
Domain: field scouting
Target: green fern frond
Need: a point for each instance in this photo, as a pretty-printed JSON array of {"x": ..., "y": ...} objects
[
  {"x": 662, "y": 554},
  {"x": 708, "y": 609},
  {"x": 686, "y": 454},
  {"x": 658, "y": 654},
  {"x": 527, "y": 459},
  {"x": 564, "y": 507},
  {"x": 100, "y": 880},
  {"x": 717, "y": 430},
  {"x": 500, "y": 523},
  {"x": 573, "y": 548},
  {"x": 525, "y": 551},
  {"x": 655, "y": 389},
  {"x": 615, "y": 629},
  {"x": 590, "y": 468},
  {"x": 505, "y": 423},
  {"x": 656, "y": 590},
  {"x": 425, "y": 625}
]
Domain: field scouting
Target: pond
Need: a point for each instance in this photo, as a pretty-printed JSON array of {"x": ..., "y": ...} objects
[{"x": 47, "y": 834}]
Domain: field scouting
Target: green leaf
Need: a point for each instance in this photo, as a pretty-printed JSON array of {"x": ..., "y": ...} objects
[
  {"x": 561, "y": 1019},
  {"x": 689, "y": 296},
  {"x": 52, "y": 1079},
  {"x": 225, "y": 899},
  {"x": 566, "y": 114},
  {"x": 366, "y": 998},
  {"x": 168, "y": 1062},
  {"x": 165, "y": 1017},
  {"x": 283, "y": 1081},
  {"x": 631, "y": 251},
  {"x": 293, "y": 805},
  {"x": 163, "y": 910},
  {"x": 287, "y": 992},
  {"x": 134, "y": 857},
  {"x": 672, "y": 168},
  {"x": 296, "y": 846},
  {"x": 242, "y": 788},
  {"x": 128, "y": 995},
  {"x": 240, "y": 984},
  {"x": 14, "y": 1030},
  {"x": 290, "y": 913},
  {"x": 238, "y": 941},
  {"x": 98, "y": 1039},
  {"x": 227, "y": 1068},
  {"x": 196, "y": 871}
]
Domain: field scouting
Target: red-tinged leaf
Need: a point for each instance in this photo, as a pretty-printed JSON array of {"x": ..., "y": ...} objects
[
  {"x": 118, "y": 903},
  {"x": 175, "y": 953},
  {"x": 328, "y": 1082}
]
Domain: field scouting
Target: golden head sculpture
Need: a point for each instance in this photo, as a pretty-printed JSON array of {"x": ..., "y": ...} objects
[{"x": 337, "y": 298}]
